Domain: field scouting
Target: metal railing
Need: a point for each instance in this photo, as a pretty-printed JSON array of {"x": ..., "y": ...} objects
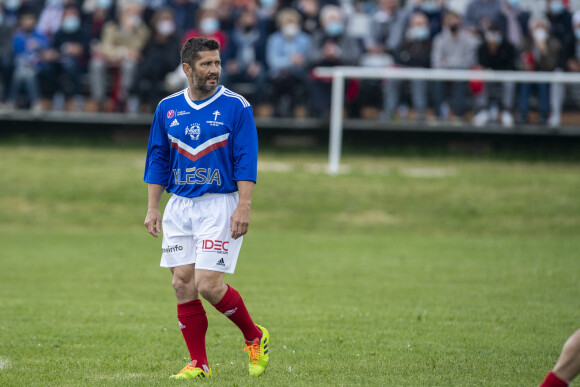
[{"x": 339, "y": 74}]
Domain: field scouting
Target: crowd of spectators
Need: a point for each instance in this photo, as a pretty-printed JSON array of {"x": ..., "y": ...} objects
[{"x": 106, "y": 55}]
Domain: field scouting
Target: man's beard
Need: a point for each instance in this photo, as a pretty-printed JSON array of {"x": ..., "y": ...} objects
[{"x": 199, "y": 84}]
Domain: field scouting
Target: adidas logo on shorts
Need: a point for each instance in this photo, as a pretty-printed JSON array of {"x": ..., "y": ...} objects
[{"x": 221, "y": 262}]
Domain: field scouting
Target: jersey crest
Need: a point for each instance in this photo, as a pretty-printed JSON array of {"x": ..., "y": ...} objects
[{"x": 194, "y": 130}]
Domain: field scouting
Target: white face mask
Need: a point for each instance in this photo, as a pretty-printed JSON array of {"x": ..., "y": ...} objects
[
  {"x": 493, "y": 37},
  {"x": 135, "y": 21},
  {"x": 290, "y": 30},
  {"x": 540, "y": 35},
  {"x": 166, "y": 27}
]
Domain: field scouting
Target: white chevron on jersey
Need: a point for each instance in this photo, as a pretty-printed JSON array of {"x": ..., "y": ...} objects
[{"x": 201, "y": 150}]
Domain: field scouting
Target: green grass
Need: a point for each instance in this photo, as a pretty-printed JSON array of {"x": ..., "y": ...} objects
[{"x": 403, "y": 271}]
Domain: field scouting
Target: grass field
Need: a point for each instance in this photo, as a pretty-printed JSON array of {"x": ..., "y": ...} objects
[{"x": 402, "y": 271}]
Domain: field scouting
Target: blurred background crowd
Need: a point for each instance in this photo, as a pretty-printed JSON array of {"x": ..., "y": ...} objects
[{"x": 123, "y": 56}]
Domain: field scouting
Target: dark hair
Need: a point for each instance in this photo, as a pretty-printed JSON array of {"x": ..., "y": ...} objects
[
  {"x": 71, "y": 7},
  {"x": 494, "y": 27},
  {"x": 26, "y": 10},
  {"x": 191, "y": 48}
]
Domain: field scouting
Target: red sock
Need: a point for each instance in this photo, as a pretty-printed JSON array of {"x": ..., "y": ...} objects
[
  {"x": 193, "y": 324},
  {"x": 232, "y": 306},
  {"x": 553, "y": 381}
]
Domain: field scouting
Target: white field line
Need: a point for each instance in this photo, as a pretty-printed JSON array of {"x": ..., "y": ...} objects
[{"x": 4, "y": 363}]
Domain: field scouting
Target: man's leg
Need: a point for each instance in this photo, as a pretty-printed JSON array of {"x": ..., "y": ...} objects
[
  {"x": 226, "y": 300},
  {"x": 229, "y": 302},
  {"x": 191, "y": 314},
  {"x": 568, "y": 365}
]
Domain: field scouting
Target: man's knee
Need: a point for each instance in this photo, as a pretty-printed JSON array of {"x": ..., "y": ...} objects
[
  {"x": 208, "y": 288},
  {"x": 183, "y": 281},
  {"x": 212, "y": 288}
]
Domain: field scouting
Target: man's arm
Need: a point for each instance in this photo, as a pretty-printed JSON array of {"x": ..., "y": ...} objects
[
  {"x": 153, "y": 218},
  {"x": 240, "y": 220}
]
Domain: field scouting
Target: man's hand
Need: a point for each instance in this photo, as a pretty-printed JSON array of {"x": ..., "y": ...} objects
[
  {"x": 153, "y": 218},
  {"x": 240, "y": 221},
  {"x": 153, "y": 221}
]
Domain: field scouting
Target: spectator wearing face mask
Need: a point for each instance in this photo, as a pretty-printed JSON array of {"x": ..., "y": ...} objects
[
  {"x": 246, "y": 57},
  {"x": 11, "y": 9},
  {"x": 121, "y": 47},
  {"x": 560, "y": 21},
  {"x": 208, "y": 26},
  {"x": 28, "y": 46},
  {"x": 95, "y": 14},
  {"x": 572, "y": 56},
  {"x": 415, "y": 51},
  {"x": 481, "y": 14},
  {"x": 387, "y": 27},
  {"x": 331, "y": 46},
  {"x": 66, "y": 61},
  {"x": 513, "y": 21},
  {"x": 561, "y": 28},
  {"x": 6, "y": 63},
  {"x": 183, "y": 11},
  {"x": 286, "y": 56},
  {"x": 309, "y": 10},
  {"x": 160, "y": 57},
  {"x": 435, "y": 11},
  {"x": 453, "y": 48},
  {"x": 541, "y": 52},
  {"x": 267, "y": 14},
  {"x": 496, "y": 53}
]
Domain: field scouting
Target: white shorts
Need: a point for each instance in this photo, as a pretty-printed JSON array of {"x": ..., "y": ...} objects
[{"x": 198, "y": 231}]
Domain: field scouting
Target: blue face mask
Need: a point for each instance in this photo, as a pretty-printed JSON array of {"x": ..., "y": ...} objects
[
  {"x": 209, "y": 25},
  {"x": 334, "y": 28},
  {"x": 71, "y": 24},
  {"x": 577, "y": 33},
  {"x": 267, "y": 3},
  {"x": 514, "y": 3},
  {"x": 104, "y": 4},
  {"x": 12, "y": 5},
  {"x": 418, "y": 33},
  {"x": 430, "y": 6},
  {"x": 556, "y": 7}
]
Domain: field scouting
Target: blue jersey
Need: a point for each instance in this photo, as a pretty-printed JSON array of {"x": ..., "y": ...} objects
[{"x": 201, "y": 147}]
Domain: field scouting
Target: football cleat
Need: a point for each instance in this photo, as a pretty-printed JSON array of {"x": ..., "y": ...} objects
[
  {"x": 190, "y": 371},
  {"x": 258, "y": 353}
]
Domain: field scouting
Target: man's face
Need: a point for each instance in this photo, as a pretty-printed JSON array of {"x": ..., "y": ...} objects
[
  {"x": 452, "y": 20},
  {"x": 28, "y": 22},
  {"x": 206, "y": 71},
  {"x": 419, "y": 20}
]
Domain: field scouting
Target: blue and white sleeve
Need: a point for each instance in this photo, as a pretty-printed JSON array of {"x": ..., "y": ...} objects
[
  {"x": 157, "y": 169},
  {"x": 245, "y": 147}
]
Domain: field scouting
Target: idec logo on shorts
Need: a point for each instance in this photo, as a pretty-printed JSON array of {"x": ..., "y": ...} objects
[
  {"x": 170, "y": 113},
  {"x": 215, "y": 245}
]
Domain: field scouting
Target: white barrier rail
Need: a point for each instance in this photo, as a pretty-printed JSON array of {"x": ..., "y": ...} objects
[{"x": 339, "y": 74}]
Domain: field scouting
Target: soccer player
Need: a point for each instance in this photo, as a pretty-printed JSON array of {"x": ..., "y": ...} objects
[
  {"x": 203, "y": 148},
  {"x": 568, "y": 365}
]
